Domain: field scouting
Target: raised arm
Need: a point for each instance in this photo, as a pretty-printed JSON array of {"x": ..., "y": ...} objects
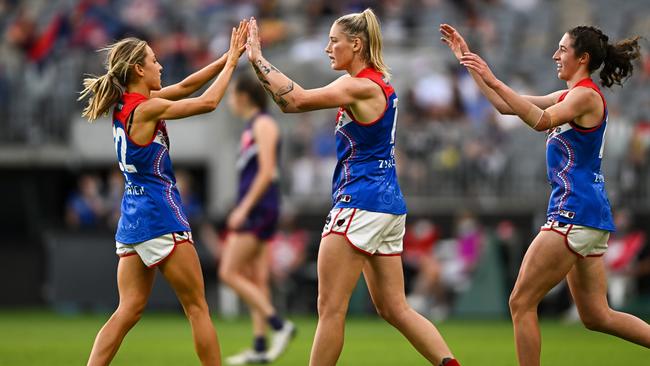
[
  {"x": 291, "y": 97},
  {"x": 579, "y": 102},
  {"x": 158, "y": 108},
  {"x": 192, "y": 83},
  {"x": 452, "y": 38}
]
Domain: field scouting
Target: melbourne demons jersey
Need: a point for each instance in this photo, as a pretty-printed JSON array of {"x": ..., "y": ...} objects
[
  {"x": 151, "y": 205},
  {"x": 573, "y": 158},
  {"x": 248, "y": 167},
  {"x": 365, "y": 175}
]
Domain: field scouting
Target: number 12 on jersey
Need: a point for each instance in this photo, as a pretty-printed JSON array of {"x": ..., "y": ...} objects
[{"x": 119, "y": 138}]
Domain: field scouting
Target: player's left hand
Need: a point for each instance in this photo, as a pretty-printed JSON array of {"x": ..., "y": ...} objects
[
  {"x": 253, "y": 45},
  {"x": 475, "y": 62},
  {"x": 237, "y": 218}
]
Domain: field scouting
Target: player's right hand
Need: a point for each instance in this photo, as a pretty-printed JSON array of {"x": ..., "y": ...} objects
[
  {"x": 454, "y": 40},
  {"x": 238, "y": 39}
]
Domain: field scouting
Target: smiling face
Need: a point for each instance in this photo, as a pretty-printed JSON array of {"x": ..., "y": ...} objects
[
  {"x": 341, "y": 49},
  {"x": 568, "y": 63},
  {"x": 150, "y": 70}
]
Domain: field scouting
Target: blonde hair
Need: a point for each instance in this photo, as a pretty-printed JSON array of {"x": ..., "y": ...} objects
[
  {"x": 106, "y": 90},
  {"x": 365, "y": 26}
]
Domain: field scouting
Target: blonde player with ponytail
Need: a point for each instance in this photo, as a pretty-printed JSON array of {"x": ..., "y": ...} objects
[
  {"x": 153, "y": 230},
  {"x": 364, "y": 230}
]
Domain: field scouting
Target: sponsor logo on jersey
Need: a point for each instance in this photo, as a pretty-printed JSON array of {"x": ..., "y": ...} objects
[
  {"x": 345, "y": 198},
  {"x": 567, "y": 214}
]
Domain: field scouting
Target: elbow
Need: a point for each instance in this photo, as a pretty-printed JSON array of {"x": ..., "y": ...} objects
[
  {"x": 543, "y": 124},
  {"x": 298, "y": 102},
  {"x": 209, "y": 106}
]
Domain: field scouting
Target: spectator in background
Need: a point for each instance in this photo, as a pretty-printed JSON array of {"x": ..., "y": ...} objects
[
  {"x": 624, "y": 247},
  {"x": 85, "y": 208},
  {"x": 115, "y": 191},
  {"x": 418, "y": 258},
  {"x": 287, "y": 252},
  {"x": 191, "y": 201}
]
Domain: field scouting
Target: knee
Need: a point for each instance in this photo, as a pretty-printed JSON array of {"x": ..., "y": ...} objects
[
  {"x": 595, "y": 320},
  {"x": 392, "y": 312},
  {"x": 519, "y": 304},
  {"x": 226, "y": 275},
  {"x": 195, "y": 308},
  {"x": 328, "y": 309},
  {"x": 131, "y": 312}
]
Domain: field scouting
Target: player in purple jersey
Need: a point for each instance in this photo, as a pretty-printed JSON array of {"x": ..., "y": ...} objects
[
  {"x": 152, "y": 225},
  {"x": 253, "y": 222},
  {"x": 368, "y": 216},
  {"x": 572, "y": 242}
]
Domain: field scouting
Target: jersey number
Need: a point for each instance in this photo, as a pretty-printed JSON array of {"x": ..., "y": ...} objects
[
  {"x": 119, "y": 137},
  {"x": 602, "y": 144},
  {"x": 392, "y": 132}
]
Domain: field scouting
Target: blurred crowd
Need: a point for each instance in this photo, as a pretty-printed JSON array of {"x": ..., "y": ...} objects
[
  {"x": 450, "y": 141},
  {"x": 451, "y": 144}
]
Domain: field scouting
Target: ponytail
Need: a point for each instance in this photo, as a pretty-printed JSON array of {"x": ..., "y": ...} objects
[
  {"x": 366, "y": 26},
  {"x": 106, "y": 90},
  {"x": 616, "y": 58},
  {"x": 618, "y": 61}
]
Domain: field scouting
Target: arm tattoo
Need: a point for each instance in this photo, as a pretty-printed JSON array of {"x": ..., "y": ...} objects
[
  {"x": 285, "y": 89},
  {"x": 262, "y": 70}
]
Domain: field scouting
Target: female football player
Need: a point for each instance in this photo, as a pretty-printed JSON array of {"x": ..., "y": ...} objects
[
  {"x": 579, "y": 219},
  {"x": 364, "y": 229},
  {"x": 153, "y": 228}
]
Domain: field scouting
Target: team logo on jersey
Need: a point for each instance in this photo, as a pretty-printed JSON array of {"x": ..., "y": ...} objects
[
  {"x": 161, "y": 135},
  {"x": 246, "y": 140},
  {"x": 342, "y": 118}
]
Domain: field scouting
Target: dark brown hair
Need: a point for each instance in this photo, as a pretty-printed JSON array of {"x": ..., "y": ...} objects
[
  {"x": 616, "y": 59},
  {"x": 252, "y": 87}
]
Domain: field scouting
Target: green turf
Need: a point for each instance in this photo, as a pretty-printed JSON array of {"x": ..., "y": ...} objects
[{"x": 41, "y": 338}]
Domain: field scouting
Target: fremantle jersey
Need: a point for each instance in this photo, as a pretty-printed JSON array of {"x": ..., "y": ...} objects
[
  {"x": 573, "y": 159},
  {"x": 248, "y": 167},
  {"x": 151, "y": 205},
  {"x": 365, "y": 175}
]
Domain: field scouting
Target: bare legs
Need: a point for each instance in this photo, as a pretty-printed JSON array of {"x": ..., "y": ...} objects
[
  {"x": 339, "y": 267},
  {"x": 545, "y": 264},
  {"x": 242, "y": 250},
  {"x": 134, "y": 282},
  {"x": 182, "y": 270},
  {"x": 588, "y": 284}
]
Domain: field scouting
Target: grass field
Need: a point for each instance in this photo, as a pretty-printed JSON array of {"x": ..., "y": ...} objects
[{"x": 41, "y": 338}]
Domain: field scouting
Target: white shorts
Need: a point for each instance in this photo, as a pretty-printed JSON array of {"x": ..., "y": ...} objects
[
  {"x": 582, "y": 240},
  {"x": 368, "y": 232},
  {"x": 154, "y": 251}
]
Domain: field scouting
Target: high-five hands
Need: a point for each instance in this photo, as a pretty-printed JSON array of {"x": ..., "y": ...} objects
[{"x": 238, "y": 39}]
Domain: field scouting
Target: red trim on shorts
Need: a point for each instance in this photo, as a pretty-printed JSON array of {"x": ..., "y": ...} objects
[
  {"x": 566, "y": 237},
  {"x": 332, "y": 226},
  {"x": 388, "y": 255},
  {"x": 350, "y": 221},
  {"x": 347, "y": 240},
  {"x": 127, "y": 254}
]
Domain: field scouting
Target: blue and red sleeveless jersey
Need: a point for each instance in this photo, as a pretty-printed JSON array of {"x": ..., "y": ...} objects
[
  {"x": 151, "y": 205},
  {"x": 365, "y": 175},
  {"x": 573, "y": 159},
  {"x": 248, "y": 167}
]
